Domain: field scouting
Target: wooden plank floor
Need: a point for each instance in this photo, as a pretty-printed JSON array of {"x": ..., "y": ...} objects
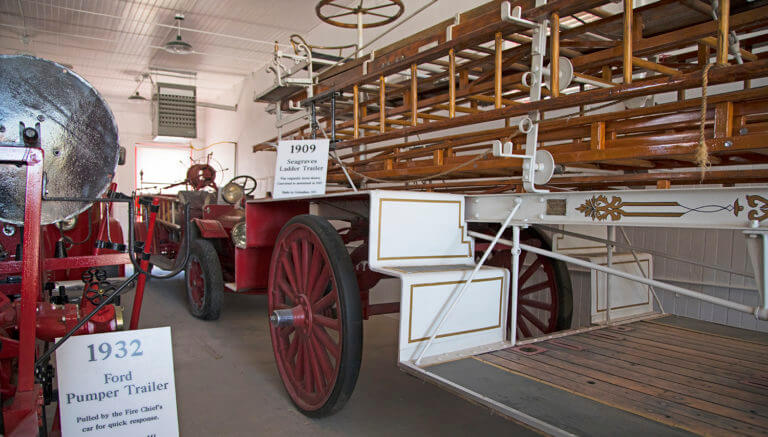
[{"x": 710, "y": 384}]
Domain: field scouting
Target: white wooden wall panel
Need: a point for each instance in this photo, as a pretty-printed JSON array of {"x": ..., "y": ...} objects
[{"x": 720, "y": 247}]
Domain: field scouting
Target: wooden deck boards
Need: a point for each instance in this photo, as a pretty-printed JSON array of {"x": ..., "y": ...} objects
[{"x": 703, "y": 383}]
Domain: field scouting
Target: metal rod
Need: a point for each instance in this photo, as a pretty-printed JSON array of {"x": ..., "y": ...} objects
[
  {"x": 760, "y": 313},
  {"x": 138, "y": 298},
  {"x": 642, "y": 249},
  {"x": 609, "y": 264},
  {"x": 515, "y": 279},
  {"x": 464, "y": 288}
]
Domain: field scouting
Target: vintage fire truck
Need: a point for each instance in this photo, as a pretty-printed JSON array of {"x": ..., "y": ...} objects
[{"x": 58, "y": 156}]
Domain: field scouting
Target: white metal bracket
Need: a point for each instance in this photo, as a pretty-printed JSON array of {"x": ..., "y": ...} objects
[
  {"x": 514, "y": 16},
  {"x": 757, "y": 245},
  {"x": 537, "y": 167}
]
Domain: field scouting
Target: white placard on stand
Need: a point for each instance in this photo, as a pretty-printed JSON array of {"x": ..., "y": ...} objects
[
  {"x": 301, "y": 168},
  {"x": 118, "y": 384}
]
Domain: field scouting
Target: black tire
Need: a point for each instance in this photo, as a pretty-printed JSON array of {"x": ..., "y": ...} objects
[
  {"x": 348, "y": 311},
  {"x": 204, "y": 299}
]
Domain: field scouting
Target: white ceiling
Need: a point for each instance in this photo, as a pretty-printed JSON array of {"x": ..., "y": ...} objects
[{"x": 111, "y": 42}]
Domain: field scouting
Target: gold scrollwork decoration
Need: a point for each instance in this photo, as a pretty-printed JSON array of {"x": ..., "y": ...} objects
[{"x": 760, "y": 205}]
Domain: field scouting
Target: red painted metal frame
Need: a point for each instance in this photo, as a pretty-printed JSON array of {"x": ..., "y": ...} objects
[
  {"x": 71, "y": 262},
  {"x": 22, "y": 415},
  {"x": 144, "y": 264},
  {"x": 32, "y": 317}
]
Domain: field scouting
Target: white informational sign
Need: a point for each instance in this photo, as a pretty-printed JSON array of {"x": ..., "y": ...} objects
[
  {"x": 301, "y": 168},
  {"x": 118, "y": 384}
]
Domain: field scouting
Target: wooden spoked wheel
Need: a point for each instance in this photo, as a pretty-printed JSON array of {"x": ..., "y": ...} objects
[
  {"x": 383, "y": 12},
  {"x": 545, "y": 297},
  {"x": 315, "y": 315}
]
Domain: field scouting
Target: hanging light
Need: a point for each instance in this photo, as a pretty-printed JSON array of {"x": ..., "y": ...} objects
[
  {"x": 136, "y": 96},
  {"x": 178, "y": 46}
]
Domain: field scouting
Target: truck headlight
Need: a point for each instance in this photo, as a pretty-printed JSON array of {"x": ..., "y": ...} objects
[
  {"x": 232, "y": 193},
  {"x": 238, "y": 235},
  {"x": 67, "y": 224}
]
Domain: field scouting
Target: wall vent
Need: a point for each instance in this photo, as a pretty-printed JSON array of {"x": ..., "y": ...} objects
[{"x": 175, "y": 111}]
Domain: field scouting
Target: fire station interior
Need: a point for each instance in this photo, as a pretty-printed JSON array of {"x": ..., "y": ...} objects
[{"x": 239, "y": 217}]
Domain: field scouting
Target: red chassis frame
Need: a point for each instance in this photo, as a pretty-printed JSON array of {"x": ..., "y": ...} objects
[
  {"x": 23, "y": 416},
  {"x": 248, "y": 268},
  {"x": 91, "y": 227}
]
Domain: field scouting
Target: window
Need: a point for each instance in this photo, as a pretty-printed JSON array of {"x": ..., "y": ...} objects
[{"x": 159, "y": 165}]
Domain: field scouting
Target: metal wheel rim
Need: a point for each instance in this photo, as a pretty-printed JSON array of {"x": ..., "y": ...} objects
[
  {"x": 195, "y": 282},
  {"x": 307, "y": 357}
]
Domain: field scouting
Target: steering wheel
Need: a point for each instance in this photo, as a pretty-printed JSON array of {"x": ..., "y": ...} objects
[
  {"x": 201, "y": 176},
  {"x": 382, "y": 13},
  {"x": 97, "y": 292},
  {"x": 89, "y": 275},
  {"x": 246, "y": 179}
]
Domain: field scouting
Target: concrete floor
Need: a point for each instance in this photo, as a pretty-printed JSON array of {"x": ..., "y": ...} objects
[{"x": 227, "y": 383}]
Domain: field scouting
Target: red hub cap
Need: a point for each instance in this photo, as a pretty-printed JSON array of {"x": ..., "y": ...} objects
[
  {"x": 307, "y": 338},
  {"x": 195, "y": 282}
]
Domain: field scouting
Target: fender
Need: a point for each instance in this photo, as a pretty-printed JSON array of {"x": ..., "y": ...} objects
[{"x": 210, "y": 228}]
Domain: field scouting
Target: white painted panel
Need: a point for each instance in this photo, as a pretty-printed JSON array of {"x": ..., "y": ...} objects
[
  {"x": 409, "y": 229},
  {"x": 478, "y": 309},
  {"x": 478, "y": 318},
  {"x": 569, "y": 245},
  {"x": 628, "y": 297}
]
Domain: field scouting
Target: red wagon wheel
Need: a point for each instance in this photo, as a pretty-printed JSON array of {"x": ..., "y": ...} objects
[
  {"x": 545, "y": 297},
  {"x": 315, "y": 316}
]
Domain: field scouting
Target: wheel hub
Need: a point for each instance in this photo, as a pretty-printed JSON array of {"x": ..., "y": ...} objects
[{"x": 300, "y": 316}]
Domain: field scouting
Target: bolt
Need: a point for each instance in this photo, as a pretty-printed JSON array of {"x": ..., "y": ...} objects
[
  {"x": 2, "y": 128},
  {"x": 30, "y": 136},
  {"x": 743, "y": 131},
  {"x": 728, "y": 143},
  {"x": 41, "y": 117}
]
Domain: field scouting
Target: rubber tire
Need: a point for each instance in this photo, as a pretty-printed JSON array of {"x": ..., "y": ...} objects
[
  {"x": 213, "y": 292},
  {"x": 351, "y": 313},
  {"x": 564, "y": 286}
]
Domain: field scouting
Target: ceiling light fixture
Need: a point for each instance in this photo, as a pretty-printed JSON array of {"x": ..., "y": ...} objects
[
  {"x": 136, "y": 97},
  {"x": 178, "y": 46}
]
